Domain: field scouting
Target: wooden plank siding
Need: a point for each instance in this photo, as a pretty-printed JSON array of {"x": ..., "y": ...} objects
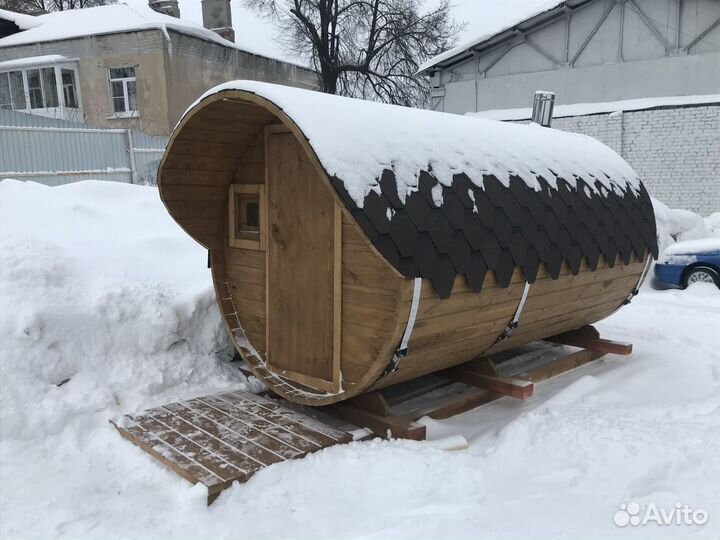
[
  {"x": 456, "y": 330},
  {"x": 223, "y": 142}
]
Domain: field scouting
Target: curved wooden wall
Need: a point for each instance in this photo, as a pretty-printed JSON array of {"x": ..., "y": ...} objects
[{"x": 221, "y": 142}]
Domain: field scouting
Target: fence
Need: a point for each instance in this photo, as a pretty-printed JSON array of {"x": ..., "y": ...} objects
[{"x": 54, "y": 152}]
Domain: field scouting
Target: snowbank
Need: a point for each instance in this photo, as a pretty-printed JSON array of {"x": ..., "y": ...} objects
[
  {"x": 105, "y": 304},
  {"x": 98, "y": 285},
  {"x": 677, "y": 225}
]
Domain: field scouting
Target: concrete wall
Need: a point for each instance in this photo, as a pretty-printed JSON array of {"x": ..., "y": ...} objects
[
  {"x": 623, "y": 59},
  {"x": 674, "y": 150},
  {"x": 95, "y": 54},
  {"x": 170, "y": 75},
  {"x": 198, "y": 65}
]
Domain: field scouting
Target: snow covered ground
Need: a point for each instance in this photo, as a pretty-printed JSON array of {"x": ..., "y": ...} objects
[{"x": 99, "y": 288}]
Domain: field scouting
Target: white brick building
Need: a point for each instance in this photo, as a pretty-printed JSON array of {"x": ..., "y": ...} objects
[{"x": 643, "y": 76}]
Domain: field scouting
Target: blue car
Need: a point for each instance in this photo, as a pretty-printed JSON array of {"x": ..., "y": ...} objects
[{"x": 684, "y": 263}]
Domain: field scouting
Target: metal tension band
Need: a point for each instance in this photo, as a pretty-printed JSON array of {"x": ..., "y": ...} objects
[
  {"x": 402, "y": 350},
  {"x": 636, "y": 290},
  {"x": 513, "y": 324}
]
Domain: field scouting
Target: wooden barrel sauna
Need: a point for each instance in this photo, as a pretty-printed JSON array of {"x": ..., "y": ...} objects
[{"x": 355, "y": 245}]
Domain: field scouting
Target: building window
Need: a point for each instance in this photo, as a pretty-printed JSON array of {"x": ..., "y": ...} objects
[
  {"x": 69, "y": 86},
  {"x": 123, "y": 90},
  {"x": 42, "y": 88},
  {"x": 5, "y": 96},
  {"x": 246, "y": 213},
  {"x": 17, "y": 90},
  {"x": 34, "y": 89},
  {"x": 38, "y": 88}
]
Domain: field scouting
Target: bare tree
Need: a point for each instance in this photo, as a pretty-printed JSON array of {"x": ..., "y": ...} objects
[
  {"x": 369, "y": 49},
  {"x": 44, "y": 6}
]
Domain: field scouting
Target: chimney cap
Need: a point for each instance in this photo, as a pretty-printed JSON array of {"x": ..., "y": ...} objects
[{"x": 166, "y": 7}]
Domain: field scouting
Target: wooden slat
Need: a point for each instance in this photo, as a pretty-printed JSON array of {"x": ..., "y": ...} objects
[
  {"x": 398, "y": 427},
  {"x": 506, "y": 386},
  {"x": 561, "y": 365},
  {"x": 226, "y": 437},
  {"x": 194, "y": 178},
  {"x": 194, "y": 193},
  {"x": 594, "y": 344},
  {"x": 200, "y": 163}
]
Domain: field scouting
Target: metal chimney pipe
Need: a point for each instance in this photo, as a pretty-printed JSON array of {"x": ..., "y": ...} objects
[{"x": 543, "y": 106}]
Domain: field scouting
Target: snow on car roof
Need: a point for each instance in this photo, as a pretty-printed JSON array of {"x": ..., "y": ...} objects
[
  {"x": 357, "y": 140},
  {"x": 691, "y": 247}
]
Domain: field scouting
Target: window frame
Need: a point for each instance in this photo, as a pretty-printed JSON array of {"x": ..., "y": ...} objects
[
  {"x": 246, "y": 237},
  {"x": 57, "y": 68},
  {"x": 127, "y": 113}
]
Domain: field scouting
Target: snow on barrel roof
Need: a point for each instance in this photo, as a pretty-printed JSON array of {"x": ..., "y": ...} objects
[
  {"x": 357, "y": 140},
  {"x": 494, "y": 20},
  {"x": 110, "y": 19},
  {"x": 441, "y": 195}
]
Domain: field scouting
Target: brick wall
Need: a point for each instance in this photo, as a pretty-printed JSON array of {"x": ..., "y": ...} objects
[{"x": 674, "y": 150}]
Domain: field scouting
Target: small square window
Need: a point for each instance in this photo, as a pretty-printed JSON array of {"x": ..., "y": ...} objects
[
  {"x": 246, "y": 216},
  {"x": 247, "y": 213}
]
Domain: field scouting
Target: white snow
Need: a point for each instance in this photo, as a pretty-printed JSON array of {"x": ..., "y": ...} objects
[
  {"x": 613, "y": 107},
  {"x": 98, "y": 285},
  {"x": 112, "y": 19},
  {"x": 490, "y": 18},
  {"x": 678, "y": 225},
  {"x": 34, "y": 60},
  {"x": 23, "y": 22},
  {"x": 704, "y": 245},
  {"x": 356, "y": 140}
]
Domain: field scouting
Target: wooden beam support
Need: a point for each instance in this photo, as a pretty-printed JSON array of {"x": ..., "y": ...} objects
[
  {"x": 398, "y": 427},
  {"x": 373, "y": 402},
  {"x": 575, "y": 339},
  {"x": 517, "y": 388},
  {"x": 561, "y": 365}
]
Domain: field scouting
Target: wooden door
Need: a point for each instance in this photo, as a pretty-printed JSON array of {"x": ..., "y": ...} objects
[{"x": 303, "y": 255}]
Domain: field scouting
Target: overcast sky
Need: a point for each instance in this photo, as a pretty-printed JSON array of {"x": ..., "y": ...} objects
[{"x": 482, "y": 16}]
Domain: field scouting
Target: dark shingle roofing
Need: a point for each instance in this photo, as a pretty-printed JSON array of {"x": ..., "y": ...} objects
[{"x": 500, "y": 228}]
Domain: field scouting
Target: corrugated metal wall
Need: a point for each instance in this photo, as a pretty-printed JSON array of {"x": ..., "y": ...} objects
[{"x": 54, "y": 152}]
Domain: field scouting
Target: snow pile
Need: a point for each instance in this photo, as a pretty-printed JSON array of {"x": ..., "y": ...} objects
[
  {"x": 98, "y": 285},
  {"x": 356, "y": 140},
  {"x": 677, "y": 225},
  {"x": 105, "y": 306}
]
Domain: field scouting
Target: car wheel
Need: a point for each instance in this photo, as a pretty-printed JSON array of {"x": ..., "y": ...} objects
[{"x": 702, "y": 274}]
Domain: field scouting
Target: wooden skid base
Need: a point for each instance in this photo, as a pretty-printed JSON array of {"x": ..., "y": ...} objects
[
  {"x": 394, "y": 411},
  {"x": 222, "y": 438}
]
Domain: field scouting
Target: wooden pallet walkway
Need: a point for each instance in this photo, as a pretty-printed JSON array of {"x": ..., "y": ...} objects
[{"x": 227, "y": 437}]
